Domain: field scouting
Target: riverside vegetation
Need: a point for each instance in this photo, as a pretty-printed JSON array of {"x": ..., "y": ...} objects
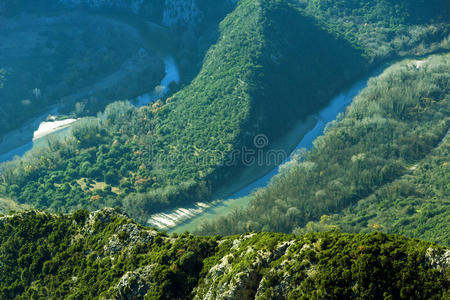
[
  {"x": 147, "y": 159},
  {"x": 381, "y": 166},
  {"x": 105, "y": 255}
]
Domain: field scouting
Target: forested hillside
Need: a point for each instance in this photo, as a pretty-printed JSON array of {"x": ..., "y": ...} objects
[
  {"x": 415, "y": 205},
  {"x": 72, "y": 51},
  {"x": 384, "y": 29},
  {"x": 268, "y": 68},
  {"x": 105, "y": 255},
  {"x": 397, "y": 126}
]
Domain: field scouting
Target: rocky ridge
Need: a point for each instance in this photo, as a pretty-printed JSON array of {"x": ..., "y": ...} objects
[{"x": 123, "y": 260}]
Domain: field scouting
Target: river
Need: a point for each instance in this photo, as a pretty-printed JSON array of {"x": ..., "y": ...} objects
[
  {"x": 189, "y": 218},
  {"x": 34, "y": 133},
  {"x": 172, "y": 75}
]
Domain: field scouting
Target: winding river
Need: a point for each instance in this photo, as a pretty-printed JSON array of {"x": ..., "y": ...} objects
[
  {"x": 189, "y": 218},
  {"x": 34, "y": 132}
]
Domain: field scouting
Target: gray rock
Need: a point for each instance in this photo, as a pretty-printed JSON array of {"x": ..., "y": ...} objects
[
  {"x": 223, "y": 283},
  {"x": 438, "y": 261},
  {"x": 127, "y": 236},
  {"x": 136, "y": 284}
]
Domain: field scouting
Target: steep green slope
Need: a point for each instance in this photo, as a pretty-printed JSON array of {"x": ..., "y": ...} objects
[
  {"x": 250, "y": 79},
  {"x": 62, "y": 56},
  {"x": 106, "y": 255},
  {"x": 390, "y": 127},
  {"x": 415, "y": 205},
  {"x": 275, "y": 62}
]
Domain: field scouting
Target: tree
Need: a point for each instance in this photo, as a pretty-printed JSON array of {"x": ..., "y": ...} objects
[
  {"x": 2, "y": 77},
  {"x": 111, "y": 177}
]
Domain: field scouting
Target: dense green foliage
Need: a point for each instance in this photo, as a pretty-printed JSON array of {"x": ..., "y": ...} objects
[
  {"x": 382, "y": 166},
  {"x": 53, "y": 256},
  {"x": 71, "y": 60},
  {"x": 319, "y": 266},
  {"x": 386, "y": 28},
  {"x": 416, "y": 205},
  {"x": 392, "y": 125},
  {"x": 106, "y": 255}
]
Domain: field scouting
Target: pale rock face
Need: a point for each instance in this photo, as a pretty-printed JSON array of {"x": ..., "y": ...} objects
[
  {"x": 176, "y": 12},
  {"x": 183, "y": 12},
  {"x": 246, "y": 283},
  {"x": 126, "y": 237},
  {"x": 438, "y": 261},
  {"x": 135, "y": 285},
  {"x": 102, "y": 216}
]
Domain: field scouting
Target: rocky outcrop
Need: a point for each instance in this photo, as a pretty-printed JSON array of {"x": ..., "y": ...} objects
[
  {"x": 99, "y": 217},
  {"x": 136, "y": 284},
  {"x": 284, "y": 284},
  {"x": 438, "y": 260},
  {"x": 112, "y": 257},
  {"x": 124, "y": 238},
  {"x": 259, "y": 270},
  {"x": 127, "y": 237},
  {"x": 226, "y": 281}
]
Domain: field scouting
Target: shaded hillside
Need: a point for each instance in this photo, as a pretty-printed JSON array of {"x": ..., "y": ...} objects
[
  {"x": 384, "y": 29},
  {"x": 104, "y": 255},
  {"x": 389, "y": 129},
  {"x": 265, "y": 72},
  {"x": 62, "y": 56},
  {"x": 50, "y": 60}
]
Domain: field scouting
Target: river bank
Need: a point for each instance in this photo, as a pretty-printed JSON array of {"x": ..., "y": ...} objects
[
  {"x": 15, "y": 142},
  {"x": 174, "y": 217},
  {"x": 172, "y": 75},
  {"x": 28, "y": 40},
  {"x": 47, "y": 128},
  {"x": 303, "y": 133}
]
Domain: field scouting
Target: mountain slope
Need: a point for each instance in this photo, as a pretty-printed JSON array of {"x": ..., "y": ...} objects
[
  {"x": 391, "y": 126},
  {"x": 248, "y": 81},
  {"x": 106, "y": 255},
  {"x": 415, "y": 205},
  {"x": 385, "y": 29}
]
